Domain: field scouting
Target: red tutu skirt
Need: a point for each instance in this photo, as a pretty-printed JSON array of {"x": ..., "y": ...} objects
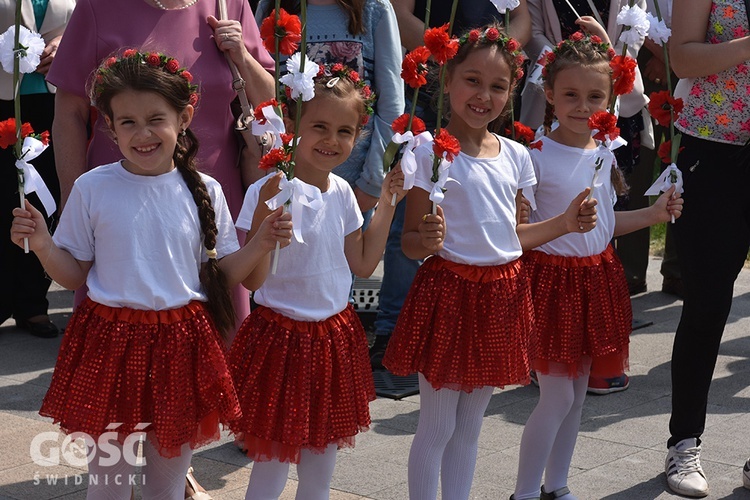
[
  {"x": 301, "y": 384},
  {"x": 582, "y": 308},
  {"x": 464, "y": 327},
  {"x": 164, "y": 368}
]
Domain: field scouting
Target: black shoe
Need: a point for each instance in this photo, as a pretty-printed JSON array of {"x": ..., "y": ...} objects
[
  {"x": 672, "y": 286},
  {"x": 45, "y": 329},
  {"x": 637, "y": 287},
  {"x": 377, "y": 351}
]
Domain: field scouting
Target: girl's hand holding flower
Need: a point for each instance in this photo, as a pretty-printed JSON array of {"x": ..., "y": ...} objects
[
  {"x": 580, "y": 216},
  {"x": 275, "y": 228},
  {"x": 668, "y": 205},
  {"x": 432, "y": 231},
  {"x": 29, "y": 223},
  {"x": 393, "y": 184}
]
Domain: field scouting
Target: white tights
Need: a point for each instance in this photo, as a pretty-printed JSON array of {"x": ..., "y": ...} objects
[
  {"x": 315, "y": 470},
  {"x": 161, "y": 478},
  {"x": 445, "y": 444},
  {"x": 549, "y": 437}
]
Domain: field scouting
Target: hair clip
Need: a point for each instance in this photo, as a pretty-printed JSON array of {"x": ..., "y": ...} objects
[{"x": 332, "y": 82}]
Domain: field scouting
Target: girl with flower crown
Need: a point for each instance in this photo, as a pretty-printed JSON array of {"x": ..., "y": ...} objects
[
  {"x": 154, "y": 242},
  {"x": 580, "y": 296},
  {"x": 299, "y": 361},
  {"x": 466, "y": 323}
]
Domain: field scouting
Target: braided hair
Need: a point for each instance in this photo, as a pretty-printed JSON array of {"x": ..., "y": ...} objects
[{"x": 162, "y": 75}]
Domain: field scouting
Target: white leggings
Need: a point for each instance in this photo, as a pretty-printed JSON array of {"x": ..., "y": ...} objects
[
  {"x": 160, "y": 479},
  {"x": 315, "y": 470},
  {"x": 550, "y": 434},
  {"x": 445, "y": 444}
]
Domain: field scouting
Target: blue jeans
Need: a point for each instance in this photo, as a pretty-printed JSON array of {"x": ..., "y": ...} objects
[{"x": 398, "y": 274}]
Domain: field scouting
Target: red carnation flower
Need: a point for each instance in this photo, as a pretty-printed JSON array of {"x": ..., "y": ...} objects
[
  {"x": 577, "y": 36},
  {"x": 536, "y": 145},
  {"x": 606, "y": 125},
  {"x": 665, "y": 152},
  {"x": 274, "y": 158},
  {"x": 187, "y": 76},
  {"x": 193, "y": 99},
  {"x": 366, "y": 91},
  {"x": 623, "y": 74},
  {"x": 611, "y": 53},
  {"x": 512, "y": 45},
  {"x": 440, "y": 44},
  {"x": 129, "y": 53},
  {"x": 473, "y": 36},
  {"x": 519, "y": 74},
  {"x": 44, "y": 137},
  {"x": 109, "y": 62},
  {"x": 337, "y": 68},
  {"x": 287, "y": 138},
  {"x": 595, "y": 39},
  {"x": 288, "y": 30},
  {"x": 321, "y": 70},
  {"x": 492, "y": 34},
  {"x": 414, "y": 67},
  {"x": 400, "y": 123},
  {"x": 172, "y": 66},
  {"x": 446, "y": 144},
  {"x": 354, "y": 76},
  {"x": 153, "y": 59},
  {"x": 8, "y": 132},
  {"x": 524, "y": 134},
  {"x": 26, "y": 130},
  {"x": 660, "y": 105}
]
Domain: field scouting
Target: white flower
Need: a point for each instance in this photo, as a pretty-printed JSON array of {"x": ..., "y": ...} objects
[
  {"x": 31, "y": 48},
  {"x": 504, "y": 5},
  {"x": 658, "y": 30},
  {"x": 301, "y": 84},
  {"x": 636, "y": 18}
]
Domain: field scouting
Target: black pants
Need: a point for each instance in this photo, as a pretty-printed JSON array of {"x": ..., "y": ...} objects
[
  {"x": 23, "y": 284},
  {"x": 713, "y": 237}
]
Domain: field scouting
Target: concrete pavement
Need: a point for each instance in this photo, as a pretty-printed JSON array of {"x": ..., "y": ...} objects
[{"x": 619, "y": 456}]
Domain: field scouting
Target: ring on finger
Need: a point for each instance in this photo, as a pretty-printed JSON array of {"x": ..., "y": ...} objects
[
  {"x": 424, "y": 218},
  {"x": 580, "y": 228}
]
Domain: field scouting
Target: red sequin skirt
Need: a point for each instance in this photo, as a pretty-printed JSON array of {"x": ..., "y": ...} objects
[
  {"x": 582, "y": 308},
  {"x": 465, "y": 327},
  {"x": 164, "y": 368},
  {"x": 301, "y": 384}
]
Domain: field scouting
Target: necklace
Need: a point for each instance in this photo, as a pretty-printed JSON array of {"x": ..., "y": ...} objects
[{"x": 162, "y": 7}]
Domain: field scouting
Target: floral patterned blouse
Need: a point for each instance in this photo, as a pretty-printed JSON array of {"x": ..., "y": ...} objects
[{"x": 718, "y": 106}]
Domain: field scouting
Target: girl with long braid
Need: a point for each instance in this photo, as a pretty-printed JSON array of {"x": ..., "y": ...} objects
[{"x": 154, "y": 241}]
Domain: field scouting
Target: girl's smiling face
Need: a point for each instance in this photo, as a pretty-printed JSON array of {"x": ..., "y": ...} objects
[
  {"x": 146, "y": 127},
  {"x": 328, "y": 130},
  {"x": 479, "y": 88},
  {"x": 577, "y": 93}
]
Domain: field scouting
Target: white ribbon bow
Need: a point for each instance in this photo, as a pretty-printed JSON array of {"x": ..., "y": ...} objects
[
  {"x": 408, "y": 160},
  {"x": 437, "y": 194},
  {"x": 300, "y": 195},
  {"x": 664, "y": 182},
  {"x": 274, "y": 125},
  {"x": 32, "y": 181}
]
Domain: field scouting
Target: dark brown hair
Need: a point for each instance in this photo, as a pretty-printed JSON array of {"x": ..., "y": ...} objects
[{"x": 132, "y": 73}]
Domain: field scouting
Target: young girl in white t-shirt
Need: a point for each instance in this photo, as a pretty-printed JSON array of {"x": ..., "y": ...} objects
[
  {"x": 467, "y": 321},
  {"x": 154, "y": 242},
  {"x": 300, "y": 361},
  {"x": 580, "y": 295}
]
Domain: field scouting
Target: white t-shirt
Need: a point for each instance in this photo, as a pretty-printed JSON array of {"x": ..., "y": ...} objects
[
  {"x": 562, "y": 172},
  {"x": 313, "y": 279},
  {"x": 143, "y": 235},
  {"x": 480, "y": 203}
]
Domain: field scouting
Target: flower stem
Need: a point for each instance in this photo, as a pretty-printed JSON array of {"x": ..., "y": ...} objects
[
  {"x": 510, "y": 96},
  {"x": 303, "y": 56},
  {"x": 17, "y": 109},
  {"x": 276, "y": 55}
]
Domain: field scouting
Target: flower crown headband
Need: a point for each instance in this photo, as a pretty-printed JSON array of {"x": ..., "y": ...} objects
[
  {"x": 577, "y": 41},
  {"x": 493, "y": 36},
  {"x": 330, "y": 74},
  {"x": 154, "y": 59}
]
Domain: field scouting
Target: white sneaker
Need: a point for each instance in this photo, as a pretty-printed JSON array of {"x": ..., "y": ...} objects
[
  {"x": 746, "y": 475},
  {"x": 683, "y": 469}
]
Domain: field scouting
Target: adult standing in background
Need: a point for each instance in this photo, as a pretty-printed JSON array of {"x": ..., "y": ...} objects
[
  {"x": 710, "y": 48},
  {"x": 187, "y": 30},
  {"x": 399, "y": 270},
  {"x": 23, "y": 294}
]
